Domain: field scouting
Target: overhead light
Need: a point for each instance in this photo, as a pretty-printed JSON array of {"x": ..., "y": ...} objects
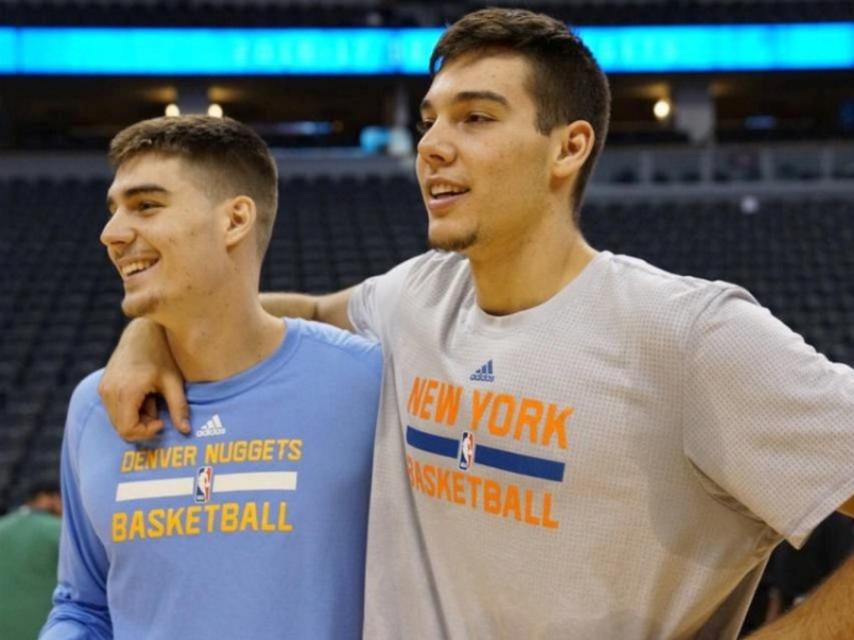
[
  {"x": 172, "y": 110},
  {"x": 661, "y": 110},
  {"x": 215, "y": 110}
]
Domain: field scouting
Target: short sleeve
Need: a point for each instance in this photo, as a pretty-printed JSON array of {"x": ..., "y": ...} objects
[
  {"x": 766, "y": 418},
  {"x": 374, "y": 302}
]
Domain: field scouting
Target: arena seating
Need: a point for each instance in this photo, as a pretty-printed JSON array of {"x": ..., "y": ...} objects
[{"x": 60, "y": 297}]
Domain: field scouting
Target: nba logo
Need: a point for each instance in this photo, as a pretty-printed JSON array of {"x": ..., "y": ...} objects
[
  {"x": 204, "y": 484},
  {"x": 466, "y": 450}
]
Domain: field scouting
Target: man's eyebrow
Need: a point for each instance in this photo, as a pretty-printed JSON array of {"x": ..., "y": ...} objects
[
  {"x": 135, "y": 191},
  {"x": 470, "y": 96}
]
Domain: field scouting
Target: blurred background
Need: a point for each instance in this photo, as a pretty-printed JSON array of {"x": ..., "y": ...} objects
[{"x": 731, "y": 156}]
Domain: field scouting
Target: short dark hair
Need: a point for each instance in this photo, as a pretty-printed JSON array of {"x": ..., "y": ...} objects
[
  {"x": 238, "y": 157},
  {"x": 567, "y": 84},
  {"x": 41, "y": 485}
]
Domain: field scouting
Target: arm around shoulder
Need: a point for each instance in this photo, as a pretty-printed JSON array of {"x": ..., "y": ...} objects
[
  {"x": 142, "y": 366},
  {"x": 330, "y": 308},
  {"x": 363, "y": 308}
]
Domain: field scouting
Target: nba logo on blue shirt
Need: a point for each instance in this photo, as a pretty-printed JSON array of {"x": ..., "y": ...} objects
[
  {"x": 204, "y": 484},
  {"x": 466, "y": 450}
]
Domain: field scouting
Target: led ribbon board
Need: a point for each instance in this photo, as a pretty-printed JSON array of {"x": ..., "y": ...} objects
[{"x": 312, "y": 52}]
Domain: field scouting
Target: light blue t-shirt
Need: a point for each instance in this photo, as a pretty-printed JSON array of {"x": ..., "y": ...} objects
[{"x": 252, "y": 527}]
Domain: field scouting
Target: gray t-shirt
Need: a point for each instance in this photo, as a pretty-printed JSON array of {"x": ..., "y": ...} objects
[{"x": 617, "y": 462}]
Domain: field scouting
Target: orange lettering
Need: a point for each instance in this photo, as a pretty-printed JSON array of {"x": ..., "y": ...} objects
[
  {"x": 419, "y": 483},
  {"x": 511, "y": 502},
  {"x": 503, "y": 428},
  {"x": 430, "y": 480},
  {"x": 449, "y": 404},
  {"x": 443, "y": 484},
  {"x": 409, "y": 470},
  {"x": 547, "y": 511},
  {"x": 479, "y": 408},
  {"x": 415, "y": 396},
  {"x": 530, "y": 518},
  {"x": 474, "y": 482},
  {"x": 459, "y": 491},
  {"x": 530, "y": 413},
  {"x": 556, "y": 426},
  {"x": 491, "y": 496},
  {"x": 428, "y": 399}
]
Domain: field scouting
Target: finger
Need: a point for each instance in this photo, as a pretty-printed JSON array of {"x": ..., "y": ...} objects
[
  {"x": 108, "y": 398},
  {"x": 149, "y": 408},
  {"x": 176, "y": 401},
  {"x": 144, "y": 430},
  {"x": 125, "y": 414}
]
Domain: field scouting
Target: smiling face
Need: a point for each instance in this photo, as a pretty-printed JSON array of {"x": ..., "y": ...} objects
[
  {"x": 483, "y": 167},
  {"x": 164, "y": 235}
]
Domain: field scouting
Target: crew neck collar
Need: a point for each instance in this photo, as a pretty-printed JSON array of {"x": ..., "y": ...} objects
[{"x": 202, "y": 392}]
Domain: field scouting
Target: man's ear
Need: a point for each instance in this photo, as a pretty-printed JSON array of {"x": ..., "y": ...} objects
[
  {"x": 241, "y": 219},
  {"x": 575, "y": 146}
]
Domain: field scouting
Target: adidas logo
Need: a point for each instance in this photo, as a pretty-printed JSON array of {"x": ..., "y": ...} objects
[
  {"x": 212, "y": 427},
  {"x": 484, "y": 374}
]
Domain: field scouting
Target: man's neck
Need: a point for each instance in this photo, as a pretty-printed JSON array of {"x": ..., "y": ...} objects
[
  {"x": 223, "y": 339},
  {"x": 525, "y": 272}
]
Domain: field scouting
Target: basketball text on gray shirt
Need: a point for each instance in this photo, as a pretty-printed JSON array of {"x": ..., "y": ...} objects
[{"x": 617, "y": 462}]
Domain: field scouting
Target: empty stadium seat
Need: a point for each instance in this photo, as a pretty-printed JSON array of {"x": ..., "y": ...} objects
[{"x": 60, "y": 312}]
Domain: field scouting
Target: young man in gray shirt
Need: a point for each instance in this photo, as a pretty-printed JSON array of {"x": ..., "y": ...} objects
[{"x": 571, "y": 443}]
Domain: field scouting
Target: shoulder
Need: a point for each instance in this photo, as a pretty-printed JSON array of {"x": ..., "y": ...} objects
[
  {"x": 657, "y": 291},
  {"x": 378, "y": 304},
  {"x": 435, "y": 267},
  {"x": 639, "y": 273},
  {"x": 429, "y": 279},
  {"x": 85, "y": 406},
  {"x": 426, "y": 268},
  {"x": 46, "y": 526},
  {"x": 325, "y": 338},
  {"x": 663, "y": 309},
  {"x": 85, "y": 397},
  {"x": 10, "y": 522}
]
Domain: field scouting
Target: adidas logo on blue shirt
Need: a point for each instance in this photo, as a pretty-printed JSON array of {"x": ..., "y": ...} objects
[
  {"x": 484, "y": 374},
  {"x": 212, "y": 427}
]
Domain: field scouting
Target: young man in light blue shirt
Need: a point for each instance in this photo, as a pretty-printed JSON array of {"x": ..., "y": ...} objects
[{"x": 255, "y": 525}]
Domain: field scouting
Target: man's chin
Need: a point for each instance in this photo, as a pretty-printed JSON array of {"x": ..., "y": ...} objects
[
  {"x": 452, "y": 243},
  {"x": 138, "y": 307}
]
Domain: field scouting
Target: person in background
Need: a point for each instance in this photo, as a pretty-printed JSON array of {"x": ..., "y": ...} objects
[{"x": 29, "y": 547}]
